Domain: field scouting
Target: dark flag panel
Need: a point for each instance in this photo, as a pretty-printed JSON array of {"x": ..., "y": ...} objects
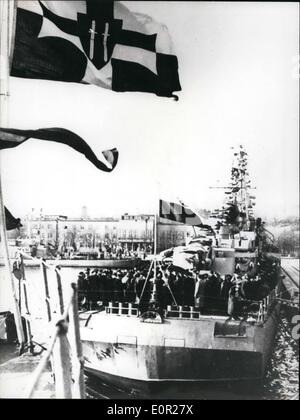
[
  {"x": 10, "y": 137},
  {"x": 95, "y": 42},
  {"x": 11, "y": 221},
  {"x": 178, "y": 213}
]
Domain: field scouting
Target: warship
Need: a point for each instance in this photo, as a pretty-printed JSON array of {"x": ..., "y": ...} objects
[{"x": 137, "y": 346}]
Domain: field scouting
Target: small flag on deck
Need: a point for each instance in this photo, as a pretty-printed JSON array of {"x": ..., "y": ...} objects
[
  {"x": 11, "y": 221},
  {"x": 178, "y": 213},
  {"x": 10, "y": 137},
  {"x": 95, "y": 42}
]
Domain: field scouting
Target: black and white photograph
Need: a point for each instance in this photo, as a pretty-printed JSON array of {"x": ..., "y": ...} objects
[{"x": 149, "y": 202}]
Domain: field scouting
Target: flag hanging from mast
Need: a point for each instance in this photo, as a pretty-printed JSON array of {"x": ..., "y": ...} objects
[
  {"x": 10, "y": 137},
  {"x": 10, "y": 221},
  {"x": 96, "y": 42},
  {"x": 178, "y": 213}
]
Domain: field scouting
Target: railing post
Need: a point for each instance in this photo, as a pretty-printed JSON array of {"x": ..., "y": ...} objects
[
  {"x": 59, "y": 290},
  {"x": 27, "y": 315},
  {"x": 24, "y": 285},
  {"x": 29, "y": 335},
  {"x": 78, "y": 389},
  {"x": 260, "y": 312},
  {"x": 65, "y": 350},
  {"x": 62, "y": 363},
  {"x": 36, "y": 375},
  {"x": 47, "y": 295},
  {"x": 58, "y": 350}
]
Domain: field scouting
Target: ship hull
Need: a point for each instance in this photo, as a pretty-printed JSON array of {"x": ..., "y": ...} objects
[
  {"x": 166, "y": 366},
  {"x": 169, "y": 388},
  {"x": 139, "y": 356}
]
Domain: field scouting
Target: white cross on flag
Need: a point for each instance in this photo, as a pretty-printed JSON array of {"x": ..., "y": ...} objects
[{"x": 96, "y": 42}]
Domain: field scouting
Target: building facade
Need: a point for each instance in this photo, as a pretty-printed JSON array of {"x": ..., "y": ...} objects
[{"x": 130, "y": 232}]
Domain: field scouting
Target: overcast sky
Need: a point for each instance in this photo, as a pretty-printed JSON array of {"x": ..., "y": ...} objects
[{"x": 238, "y": 71}]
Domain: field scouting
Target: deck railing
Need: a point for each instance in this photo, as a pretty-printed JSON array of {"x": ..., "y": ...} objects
[
  {"x": 266, "y": 305},
  {"x": 182, "y": 312},
  {"x": 120, "y": 308},
  {"x": 64, "y": 349}
]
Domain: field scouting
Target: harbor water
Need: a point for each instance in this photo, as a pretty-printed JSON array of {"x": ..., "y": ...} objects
[{"x": 281, "y": 381}]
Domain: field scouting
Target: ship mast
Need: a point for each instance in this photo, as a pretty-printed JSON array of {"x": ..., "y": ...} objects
[
  {"x": 238, "y": 208},
  {"x": 241, "y": 185},
  {"x": 7, "y": 18}
]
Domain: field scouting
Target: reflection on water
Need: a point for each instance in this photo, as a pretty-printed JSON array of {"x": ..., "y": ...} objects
[{"x": 282, "y": 380}]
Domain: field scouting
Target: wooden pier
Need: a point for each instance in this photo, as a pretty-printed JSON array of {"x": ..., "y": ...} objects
[
  {"x": 83, "y": 264},
  {"x": 290, "y": 269},
  {"x": 290, "y": 272},
  {"x": 15, "y": 374}
]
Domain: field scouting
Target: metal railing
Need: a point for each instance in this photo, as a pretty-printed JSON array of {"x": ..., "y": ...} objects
[
  {"x": 65, "y": 354},
  {"x": 120, "y": 308},
  {"x": 182, "y": 312},
  {"x": 64, "y": 349},
  {"x": 265, "y": 306}
]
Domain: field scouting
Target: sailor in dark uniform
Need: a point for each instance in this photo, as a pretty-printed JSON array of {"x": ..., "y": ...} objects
[
  {"x": 167, "y": 290},
  {"x": 188, "y": 289},
  {"x": 108, "y": 285},
  {"x": 159, "y": 289},
  {"x": 178, "y": 288},
  {"x": 117, "y": 287},
  {"x": 200, "y": 291},
  {"x": 212, "y": 291},
  {"x": 82, "y": 285},
  {"x": 225, "y": 287},
  {"x": 235, "y": 301},
  {"x": 94, "y": 289},
  {"x": 129, "y": 287}
]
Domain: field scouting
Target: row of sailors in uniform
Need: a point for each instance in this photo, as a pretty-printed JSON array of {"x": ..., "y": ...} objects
[{"x": 208, "y": 291}]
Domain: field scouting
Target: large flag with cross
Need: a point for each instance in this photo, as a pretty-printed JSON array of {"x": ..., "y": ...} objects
[
  {"x": 97, "y": 42},
  {"x": 178, "y": 213}
]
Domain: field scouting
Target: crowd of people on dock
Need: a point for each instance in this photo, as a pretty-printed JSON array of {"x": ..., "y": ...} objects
[
  {"x": 205, "y": 290},
  {"x": 105, "y": 250},
  {"x": 117, "y": 250}
]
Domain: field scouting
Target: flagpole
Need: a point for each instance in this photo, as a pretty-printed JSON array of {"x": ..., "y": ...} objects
[
  {"x": 154, "y": 261},
  {"x": 7, "y": 15},
  {"x": 155, "y": 234},
  {"x": 155, "y": 244}
]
